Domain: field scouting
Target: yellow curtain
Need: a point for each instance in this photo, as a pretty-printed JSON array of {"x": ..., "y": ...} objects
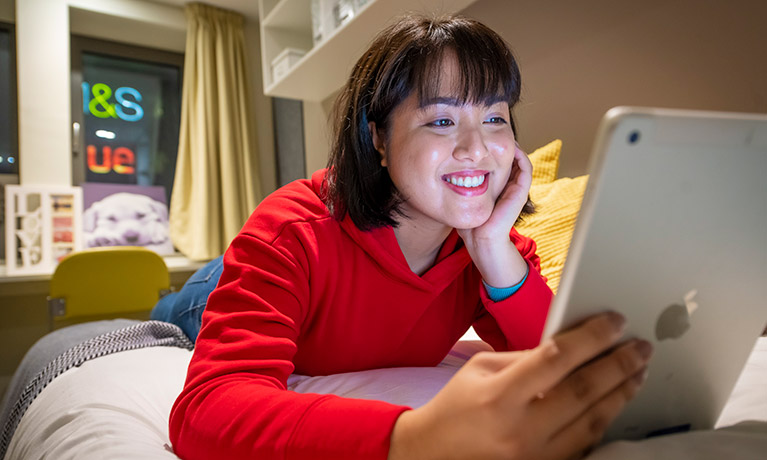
[{"x": 216, "y": 185}]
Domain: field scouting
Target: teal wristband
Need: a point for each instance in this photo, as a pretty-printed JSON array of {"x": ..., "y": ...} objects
[{"x": 498, "y": 294}]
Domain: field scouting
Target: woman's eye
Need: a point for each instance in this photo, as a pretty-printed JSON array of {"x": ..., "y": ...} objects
[
  {"x": 442, "y": 122},
  {"x": 496, "y": 120}
]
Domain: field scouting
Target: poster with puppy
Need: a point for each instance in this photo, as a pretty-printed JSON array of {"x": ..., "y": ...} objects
[{"x": 126, "y": 215}]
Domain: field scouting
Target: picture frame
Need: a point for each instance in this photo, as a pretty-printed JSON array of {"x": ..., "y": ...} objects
[{"x": 43, "y": 225}]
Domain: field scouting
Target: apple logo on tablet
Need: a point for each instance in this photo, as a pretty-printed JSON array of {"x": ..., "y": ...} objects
[{"x": 675, "y": 319}]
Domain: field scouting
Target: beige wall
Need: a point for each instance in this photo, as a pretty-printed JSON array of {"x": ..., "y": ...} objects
[
  {"x": 42, "y": 62},
  {"x": 7, "y": 10},
  {"x": 317, "y": 133},
  {"x": 580, "y": 58}
]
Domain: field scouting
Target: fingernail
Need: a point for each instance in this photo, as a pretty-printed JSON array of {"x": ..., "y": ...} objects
[
  {"x": 617, "y": 320},
  {"x": 644, "y": 348},
  {"x": 641, "y": 376}
]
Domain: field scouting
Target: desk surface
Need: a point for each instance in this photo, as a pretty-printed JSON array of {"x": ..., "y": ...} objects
[
  {"x": 175, "y": 262},
  {"x": 33, "y": 284}
]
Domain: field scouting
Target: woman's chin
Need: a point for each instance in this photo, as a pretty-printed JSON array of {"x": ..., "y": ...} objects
[{"x": 471, "y": 221}]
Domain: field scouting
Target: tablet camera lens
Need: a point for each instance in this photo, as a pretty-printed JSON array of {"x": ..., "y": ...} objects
[{"x": 634, "y": 137}]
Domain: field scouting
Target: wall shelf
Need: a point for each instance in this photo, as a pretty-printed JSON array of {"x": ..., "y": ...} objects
[{"x": 325, "y": 67}]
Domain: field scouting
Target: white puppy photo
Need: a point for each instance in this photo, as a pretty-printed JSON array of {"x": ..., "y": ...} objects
[{"x": 128, "y": 219}]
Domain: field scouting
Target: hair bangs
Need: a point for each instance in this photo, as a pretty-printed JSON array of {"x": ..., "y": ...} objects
[{"x": 486, "y": 74}]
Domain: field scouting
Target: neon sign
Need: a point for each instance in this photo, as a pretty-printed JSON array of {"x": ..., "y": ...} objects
[
  {"x": 127, "y": 107},
  {"x": 121, "y": 160}
]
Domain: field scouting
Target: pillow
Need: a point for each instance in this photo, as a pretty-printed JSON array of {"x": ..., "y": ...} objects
[
  {"x": 557, "y": 202},
  {"x": 546, "y": 162}
]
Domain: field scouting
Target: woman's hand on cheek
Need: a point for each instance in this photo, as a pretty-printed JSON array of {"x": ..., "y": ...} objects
[
  {"x": 545, "y": 403},
  {"x": 489, "y": 245}
]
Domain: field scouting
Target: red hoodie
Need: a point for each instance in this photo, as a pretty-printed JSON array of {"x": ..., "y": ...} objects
[{"x": 303, "y": 293}]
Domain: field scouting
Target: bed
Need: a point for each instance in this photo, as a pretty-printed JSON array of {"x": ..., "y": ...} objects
[{"x": 104, "y": 389}]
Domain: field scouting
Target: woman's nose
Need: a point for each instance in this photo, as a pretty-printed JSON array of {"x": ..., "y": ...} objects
[{"x": 471, "y": 146}]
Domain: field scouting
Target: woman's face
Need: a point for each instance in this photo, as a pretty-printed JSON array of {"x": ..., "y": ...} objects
[{"x": 449, "y": 161}]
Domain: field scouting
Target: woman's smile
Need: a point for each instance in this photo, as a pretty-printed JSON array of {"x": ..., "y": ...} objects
[{"x": 467, "y": 183}]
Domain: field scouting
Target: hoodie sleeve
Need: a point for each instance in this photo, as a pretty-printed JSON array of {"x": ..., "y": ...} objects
[
  {"x": 234, "y": 403},
  {"x": 516, "y": 323}
]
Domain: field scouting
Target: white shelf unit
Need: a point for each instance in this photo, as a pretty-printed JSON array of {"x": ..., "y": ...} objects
[{"x": 325, "y": 67}]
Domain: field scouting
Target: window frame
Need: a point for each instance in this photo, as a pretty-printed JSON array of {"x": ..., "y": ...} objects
[
  {"x": 80, "y": 44},
  {"x": 10, "y": 178}
]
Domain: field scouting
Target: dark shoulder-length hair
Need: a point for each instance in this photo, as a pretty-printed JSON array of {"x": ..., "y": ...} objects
[{"x": 403, "y": 58}]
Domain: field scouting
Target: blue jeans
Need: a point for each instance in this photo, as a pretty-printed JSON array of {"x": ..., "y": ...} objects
[{"x": 184, "y": 308}]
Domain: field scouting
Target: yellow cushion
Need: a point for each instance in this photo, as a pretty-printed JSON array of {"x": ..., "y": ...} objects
[
  {"x": 546, "y": 162},
  {"x": 557, "y": 203}
]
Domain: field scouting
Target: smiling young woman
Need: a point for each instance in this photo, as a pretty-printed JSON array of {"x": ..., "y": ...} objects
[
  {"x": 450, "y": 160},
  {"x": 385, "y": 259}
]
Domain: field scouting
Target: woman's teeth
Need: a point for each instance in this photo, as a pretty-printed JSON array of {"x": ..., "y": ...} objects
[{"x": 470, "y": 182}]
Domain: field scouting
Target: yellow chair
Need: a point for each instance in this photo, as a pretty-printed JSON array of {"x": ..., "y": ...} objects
[{"x": 108, "y": 282}]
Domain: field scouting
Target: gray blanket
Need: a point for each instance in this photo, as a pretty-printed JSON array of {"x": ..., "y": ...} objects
[{"x": 69, "y": 347}]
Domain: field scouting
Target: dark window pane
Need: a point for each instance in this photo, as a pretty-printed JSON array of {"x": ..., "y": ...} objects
[
  {"x": 8, "y": 133},
  {"x": 131, "y": 114}
]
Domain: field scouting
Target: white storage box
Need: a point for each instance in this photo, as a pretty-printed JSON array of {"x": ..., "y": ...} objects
[{"x": 284, "y": 61}]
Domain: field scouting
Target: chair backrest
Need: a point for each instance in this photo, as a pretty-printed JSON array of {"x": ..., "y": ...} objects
[{"x": 106, "y": 282}]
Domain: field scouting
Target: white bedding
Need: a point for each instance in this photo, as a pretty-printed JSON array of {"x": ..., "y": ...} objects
[{"x": 117, "y": 407}]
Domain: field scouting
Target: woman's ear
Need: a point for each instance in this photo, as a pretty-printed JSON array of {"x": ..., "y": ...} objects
[{"x": 378, "y": 142}]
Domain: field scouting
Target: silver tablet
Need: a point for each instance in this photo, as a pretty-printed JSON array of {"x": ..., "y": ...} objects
[{"x": 672, "y": 233}]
